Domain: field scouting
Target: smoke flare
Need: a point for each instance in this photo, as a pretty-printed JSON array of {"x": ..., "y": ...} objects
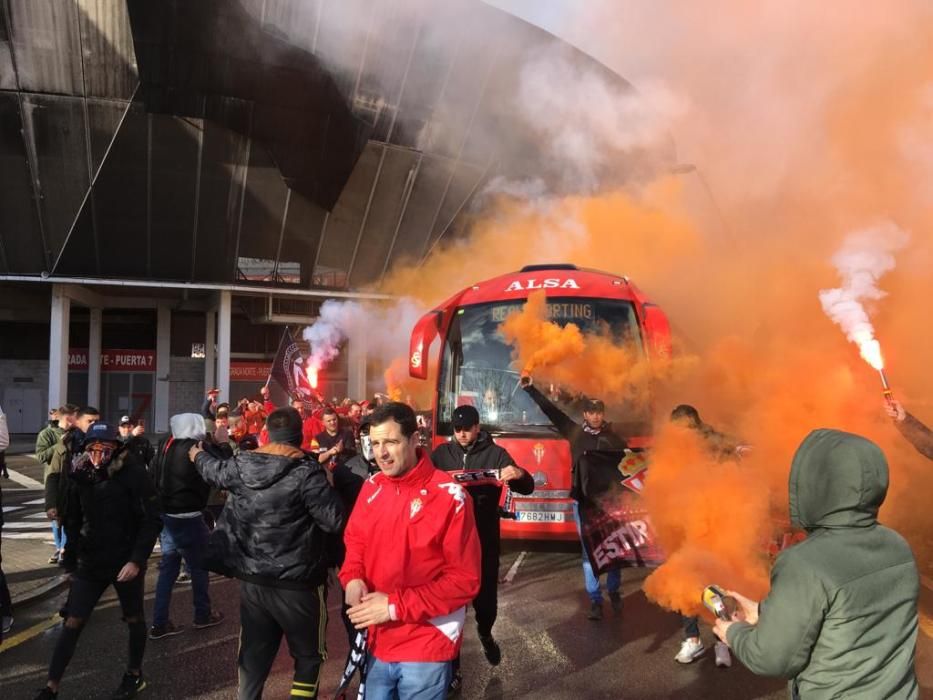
[{"x": 864, "y": 257}]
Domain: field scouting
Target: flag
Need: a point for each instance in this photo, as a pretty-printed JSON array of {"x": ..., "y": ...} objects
[
  {"x": 615, "y": 526},
  {"x": 288, "y": 370}
]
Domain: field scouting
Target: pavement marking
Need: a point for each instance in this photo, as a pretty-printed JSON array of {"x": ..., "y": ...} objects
[
  {"x": 29, "y": 633},
  {"x": 926, "y": 625},
  {"x": 12, "y": 509},
  {"x": 514, "y": 568},
  {"x": 37, "y": 502},
  {"x": 24, "y": 535},
  {"x": 24, "y": 480}
]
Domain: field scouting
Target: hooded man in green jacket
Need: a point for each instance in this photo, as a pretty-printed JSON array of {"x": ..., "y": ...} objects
[{"x": 840, "y": 620}]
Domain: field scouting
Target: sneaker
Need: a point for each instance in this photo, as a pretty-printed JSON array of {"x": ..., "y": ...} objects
[
  {"x": 723, "y": 657},
  {"x": 130, "y": 687},
  {"x": 54, "y": 558},
  {"x": 491, "y": 649},
  {"x": 183, "y": 577},
  {"x": 456, "y": 683},
  {"x": 596, "y": 611},
  {"x": 46, "y": 694},
  {"x": 690, "y": 651},
  {"x": 6, "y": 623},
  {"x": 215, "y": 618},
  {"x": 615, "y": 599},
  {"x": 166, "y": 630}
]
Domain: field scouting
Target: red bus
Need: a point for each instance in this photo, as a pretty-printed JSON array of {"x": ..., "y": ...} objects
[{"x": 476, "y": 368}]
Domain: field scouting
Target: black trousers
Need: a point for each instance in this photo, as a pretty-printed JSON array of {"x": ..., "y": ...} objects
[
  {"x": 486, "y": 603},
  {"x": 266, "y": 613}
]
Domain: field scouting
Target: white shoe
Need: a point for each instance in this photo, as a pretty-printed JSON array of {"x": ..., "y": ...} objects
[
  {"x": 690, "y": 651},
  {"x": 6, "y": 623},
  {"x": 723, "y": 657}
]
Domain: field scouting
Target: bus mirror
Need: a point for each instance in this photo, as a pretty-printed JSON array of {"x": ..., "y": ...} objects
[
  {"x": 657, "y": 333},
  {"x": 422, "y": 335}
]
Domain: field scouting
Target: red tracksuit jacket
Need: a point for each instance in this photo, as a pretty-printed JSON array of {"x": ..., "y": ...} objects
[{"x": 415, "y": 539}]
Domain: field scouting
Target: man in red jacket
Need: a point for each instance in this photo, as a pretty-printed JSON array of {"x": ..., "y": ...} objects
[{"x": 412, "y": 563}]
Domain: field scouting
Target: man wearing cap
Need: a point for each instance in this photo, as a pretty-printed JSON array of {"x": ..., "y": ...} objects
[
  {"x": 593, "y": 434},
  {"x": 473, "y": 449},
  {"x": 209, "y": 407},
  {"x": 132, "y": 436},
  {"x": 112, "y": 515}
]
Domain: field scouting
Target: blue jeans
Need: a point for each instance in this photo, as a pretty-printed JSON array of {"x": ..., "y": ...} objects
[
  {"x": 58, "y": 534},
  {"x": 590, "y": 579},
  {"x": 407, "y": 680},
  {"x": 182, "y": 538}
]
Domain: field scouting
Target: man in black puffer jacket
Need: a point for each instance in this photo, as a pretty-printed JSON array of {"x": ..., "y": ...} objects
[
  {"x": 184, "y": 532},
  {"x": 111, "y": 515},
  {"x": 473, "y": 449},
  {"x": 272, "y": 535}
]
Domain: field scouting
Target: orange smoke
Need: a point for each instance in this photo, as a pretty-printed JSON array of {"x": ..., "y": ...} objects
[
  {"x": 810, "y": 140},
  {"x": 595, "y": 364},
  {"x": 401, "y": 387},
  {"x": 711, "y": 518}
]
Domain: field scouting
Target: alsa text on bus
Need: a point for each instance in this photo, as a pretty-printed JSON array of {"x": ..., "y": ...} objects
[{"x": 549, "y": 283}]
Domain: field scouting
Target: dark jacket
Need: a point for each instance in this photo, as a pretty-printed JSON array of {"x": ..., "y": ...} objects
[
  {"x": 141, "y": 447},
  {"x": 580, "y": 438},
  {"x": 349, "y": 478},
  {"x": 274, "y": 528},
  {"x": 181, "y": 487},
  {"x": 920, "y": 436},
  {"x": 345, "y": 436},
  {"x": 840, "y": 620},
  {"x": 110, "y": 521},
  {"x": 482, "y": 454},
  {"x": 208, "y": 412}
]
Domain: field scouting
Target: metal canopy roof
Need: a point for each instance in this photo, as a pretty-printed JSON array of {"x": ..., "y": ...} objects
[{"x": 199, "y": 156}]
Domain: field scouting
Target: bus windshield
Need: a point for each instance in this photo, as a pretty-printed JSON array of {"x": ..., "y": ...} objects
[{"x": 476, "y": 364}]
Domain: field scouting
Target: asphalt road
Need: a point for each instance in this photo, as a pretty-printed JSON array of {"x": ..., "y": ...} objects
[{"x": 549, "y": 649}]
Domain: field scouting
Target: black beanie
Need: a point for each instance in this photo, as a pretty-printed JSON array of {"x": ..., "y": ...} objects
[{"x": 284, "y": 425}]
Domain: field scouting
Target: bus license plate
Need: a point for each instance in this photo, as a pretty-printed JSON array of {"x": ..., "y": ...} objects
[{"x": 539, "y": 516}]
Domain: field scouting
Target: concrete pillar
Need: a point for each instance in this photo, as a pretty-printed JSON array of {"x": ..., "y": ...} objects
[
  {"x": 58, "y": 346},
  {"x": 93, "y": 357},
  {"x": 223, "y": 346},
  {"x": 163, "y": 359},
  {"x": 210, "y": 333},
  {"x": 356, "y": 370}
]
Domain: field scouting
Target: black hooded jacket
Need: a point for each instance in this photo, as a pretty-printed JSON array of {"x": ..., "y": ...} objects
[
  {"x": 580, "y": 438},
  {"x": 110, "y": 521},
  {"x": 280, "y": 510},
  {"x": 482, "y": 454}
]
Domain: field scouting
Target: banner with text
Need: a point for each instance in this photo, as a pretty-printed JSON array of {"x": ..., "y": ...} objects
[{"x": 615, "y": 524}]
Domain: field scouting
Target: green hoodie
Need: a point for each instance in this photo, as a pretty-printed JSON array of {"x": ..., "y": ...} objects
[{"x": 841, "y": 618}]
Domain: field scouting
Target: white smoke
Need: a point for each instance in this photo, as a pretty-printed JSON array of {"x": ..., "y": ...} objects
[
  {"x": 587, "y": 121},
  {"x": 864, "y": 257},
  {"x": 381, "y": 330}
]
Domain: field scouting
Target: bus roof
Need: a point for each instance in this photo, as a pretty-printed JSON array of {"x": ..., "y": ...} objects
[{"x": 561, "y": 279}]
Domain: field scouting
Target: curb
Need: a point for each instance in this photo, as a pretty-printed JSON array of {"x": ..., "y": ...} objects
[{"x": 39, "y": 592}]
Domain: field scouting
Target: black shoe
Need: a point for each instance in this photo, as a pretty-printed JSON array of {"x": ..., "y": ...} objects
[
  {"x": 166, "y": 630},
  {"x": 456, "y": 684},
  {"x": 491, "y": 649},
  {"x": 215, "y": 618},
  {"x": 46, "y": 694},
  {"x": 596, "y": 611},
  {"x": 615, "y": 599},
  {"x": 130, "y": 687}
]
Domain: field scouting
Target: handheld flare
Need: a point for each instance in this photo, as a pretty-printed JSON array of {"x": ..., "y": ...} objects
[{"x": 885, "y": 387}]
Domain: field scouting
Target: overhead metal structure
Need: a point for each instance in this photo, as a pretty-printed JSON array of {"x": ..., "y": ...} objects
[{"x": 287, "y": 144}]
